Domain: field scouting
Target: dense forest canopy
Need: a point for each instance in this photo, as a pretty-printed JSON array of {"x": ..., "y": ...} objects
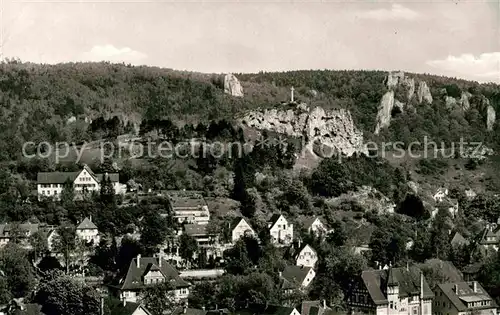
[{"x": 56, "y": 102}]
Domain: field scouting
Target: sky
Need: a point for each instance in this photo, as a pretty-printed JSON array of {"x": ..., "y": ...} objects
[{"x": 458, "y": 38}]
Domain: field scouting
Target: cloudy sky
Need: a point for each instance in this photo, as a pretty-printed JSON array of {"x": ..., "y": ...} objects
[{"x": 457, "y": 38}]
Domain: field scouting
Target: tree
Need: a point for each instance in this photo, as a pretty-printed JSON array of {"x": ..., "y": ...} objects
[
  {"x": 159, "y": 299},
  {"x": 63, "y": 295},
  {"x": 65, "y": 243},
  {"x": 154, "y": 233},
  {"x": 187, "y": 247},
  {"x": 18, "y": 271},
  {"x": 413, "y": 207},
  {"x": 39, "y": 244}
]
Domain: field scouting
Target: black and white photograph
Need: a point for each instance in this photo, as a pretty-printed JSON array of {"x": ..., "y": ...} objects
[{"x": 249, "y": 157}]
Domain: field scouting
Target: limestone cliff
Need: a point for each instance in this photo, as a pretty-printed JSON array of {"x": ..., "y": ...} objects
[
  {"x": 423, "y": 93},
  {"x": 490, "y": 118},
  {"x": 384, "y": 111},
  {"x": 331, "y": 128},
  {"x": 232, "y": 85},
  {"x": 394, "y": 82}
]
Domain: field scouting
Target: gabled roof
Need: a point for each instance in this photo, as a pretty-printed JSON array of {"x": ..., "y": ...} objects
[
  {"x": 128, "y": 309},
  {"x": 295, "y": 274},
  {"x": 446, "y": 268},
  {"x": 274, "y": 219},
  {"x": 487, "y": 232},
  {"x": 133, "y": 280},
  {"x": 86, "y": 224},
  {"x": 458, "y": 239},
  {"x": 237, "y": 221},
  {"x": 308, "y": 221},
  {"x": 304, "y": 247},
  {"x": 307, "y": 306},
  {"x": 263, "y": 309},
  {"x": 27, "y": 227},
  {"x": 465, "y": 293},
  {"x": 408, "y": 281},
  {"x": 195, "y": 229},
  {"x": 62, "y": 177},
  {"x": 188, "y": 311}
]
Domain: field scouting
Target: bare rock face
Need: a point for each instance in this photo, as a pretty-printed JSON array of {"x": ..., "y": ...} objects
[
  {"x": 232, "y": 85},
  {"x": 464, "y": 100},
  {"x": 490, "y": 118},
  {"x": 450, "y": 102},
  {"x": 332, "y": 128},
  {"x": 409, "y": 84},
  {"x": 394, "y": 78},
  {"x": 399, "y": 105},
  {"x": 385, "y": 111},
  {"x": 423, "y": 93}
]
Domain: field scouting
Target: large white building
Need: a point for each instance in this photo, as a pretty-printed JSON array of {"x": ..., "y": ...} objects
[
  {"x": 280, "y": 229},
  {"x": 51, "y": 184},
  {"x": 306, "y": 257},
  {"x": 189, "y": 207},
  {"x": 392, "y": 291}
]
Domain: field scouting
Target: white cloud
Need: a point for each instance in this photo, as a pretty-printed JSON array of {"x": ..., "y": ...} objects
[
  {"x": 113, "y": 54},
  {"x": 485, "y": 67},
  {"x": 396, "y": 12}
]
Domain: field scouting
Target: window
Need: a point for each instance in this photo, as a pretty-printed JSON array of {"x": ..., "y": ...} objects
[{"x": 415, "y": 311}]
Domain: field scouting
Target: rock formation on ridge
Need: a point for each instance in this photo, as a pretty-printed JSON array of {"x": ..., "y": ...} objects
[{"x": 232, "y": 85}]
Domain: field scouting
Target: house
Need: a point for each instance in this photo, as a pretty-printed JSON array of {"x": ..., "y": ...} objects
[
  {"x": 145, "y": 271},
  {"x": 51, "y": 184},
  {"x": 19, "y": 231},
  {"x": 263, "y": 309},
  {"x": 314, "y": 225},
  {"x": 241, "y": 228},
  {"x": 208, "y": 244},
  {"x": 189, "y": 207},
  {"x": 318, "y": 307},
  {"x": 391, "y": 291},
  {"x": 293, "y": 277},
  {"x": 306, "y": 257},
  {"x": 88, "y": 231},
  {"x": 456, "y": 298},
  {"x": 450, "y": 204},
  {"x": 457, "y": 240},
  {"x": 440, "y": 194},
  {"x": 489, "y": 239},
  {"x": 129, "y": 308},
  {"x": 280, "y": 230}
]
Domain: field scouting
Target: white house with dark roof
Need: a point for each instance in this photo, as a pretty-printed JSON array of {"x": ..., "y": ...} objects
[
  {"x": 280, "y": 229},
  {"x": 462, "y": 298},
  {"x": 21, "y": 231},
  {"x": 51, "y": 184},
  {"x": 306, "y": 257},
  {"x": 314, "y": 225},
  {"x": 88, "y": 231},
  {"x": 391, "y": 291},
  {"x": 189, "y": 207},
  {"x": 296, "y": 277},
  {"x": 146, "y": 271},
  {"x": 240, "y": 228}
]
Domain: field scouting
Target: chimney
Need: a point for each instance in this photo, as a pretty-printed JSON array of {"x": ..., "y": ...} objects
[
  {"x": 324, "y": 304},
  {"x": 280, "y": 274},
  {"x": 139, "y": 261},
  {"x": 124, "y": 302},
  {"x": 90, "y": 218},
  {"x": 159, "y": 261},
  {"x": 474, "y": 286},
  {"x": 455, "y": 289}
]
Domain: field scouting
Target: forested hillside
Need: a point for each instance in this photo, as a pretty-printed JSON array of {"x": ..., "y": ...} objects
[{"x": 57, "y": 102}]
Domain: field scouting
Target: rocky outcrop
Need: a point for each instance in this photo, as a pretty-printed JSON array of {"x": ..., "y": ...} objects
[
  {"x": 399, "y": 105},
  {"x": 450, "y": 102},
  {"x": 385, "y": 111},
  {"x": 464, "y": 100},
  {"x": 333, "y": 128},
  {"x": 423, "y": 93},
  {"x": 409, "y": 84},
  {"x": 490, "y": 117},
  {"x": 394, "y": 78},
  {"x": 232, "y": 85}
]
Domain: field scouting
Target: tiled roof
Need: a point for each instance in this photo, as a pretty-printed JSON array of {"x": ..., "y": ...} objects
[
  {"x": 32, "y": 228},
  {"x": 188, "y": 311},
  {"x": 446, "y": 268},
  {"x": 408, "y": 281},
  {"x": 465, "y": 292},
  {"x": 303, "y": 247},
  {"x": 307, "y": 221},
  {"x": 55, "y": 177},
  {"x": 133, "y": 280},
  {"x": 274, "y": 218},
  {"x": 488, "y": 233},
  {"x": 128, "y": 309},
  {"x": 458, "y": 239},
  {"x": 306, "y": 306},
  {"x": 295, "y": 274},
  {"x": 86, "y": 225},
  {"x": 263, "y": 309}
]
